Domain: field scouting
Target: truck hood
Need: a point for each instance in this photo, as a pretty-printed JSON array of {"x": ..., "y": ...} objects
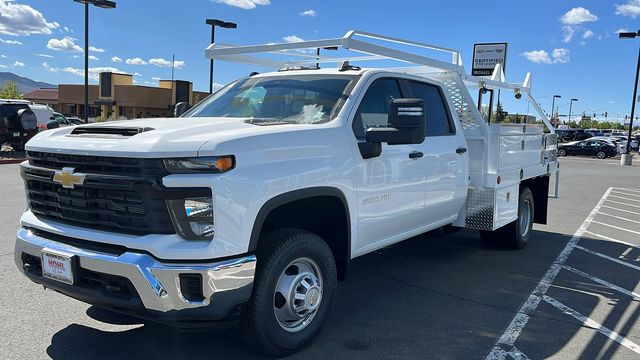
[{"x": 159, "y": 137}]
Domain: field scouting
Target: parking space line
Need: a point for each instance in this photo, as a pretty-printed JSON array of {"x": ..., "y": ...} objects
[
  {"x": 608, "y": 257},
  {"x": 594, "y": 325},
  {"x": 618, "y": 202},
  {"x": 602, "y": 282},
  {"x": 604, "y": 237},
  {"x": 625, "y": 194},
  {"x": 616, "y": 227},
  {"x": 623, "y": 210},
  {"x": 628, "y": 189},
  {"x": 625, "y": 253},
  {"x": 624, "y": 198},
  {"x": 619, "y": 218},
  {"x": 514, "y": 329}
]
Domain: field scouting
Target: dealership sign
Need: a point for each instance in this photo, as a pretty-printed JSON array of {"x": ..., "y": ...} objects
[{"x": 486, "y": 56}]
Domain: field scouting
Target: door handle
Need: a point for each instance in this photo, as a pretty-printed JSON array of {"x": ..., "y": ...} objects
[
  {"x": 461, "y": 150},
  {"x": 415, "y": 155}
]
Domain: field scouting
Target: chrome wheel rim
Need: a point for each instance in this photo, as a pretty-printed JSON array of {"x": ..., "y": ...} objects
[
  {"x": 562, "y": 152},
  {"x": 525, "y": 217},
  {"x": 298, "y": 295},
  {"x": 601, "y": 155}
]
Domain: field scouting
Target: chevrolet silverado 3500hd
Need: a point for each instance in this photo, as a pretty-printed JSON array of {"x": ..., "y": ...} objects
[{"x": 252, "y": 203}]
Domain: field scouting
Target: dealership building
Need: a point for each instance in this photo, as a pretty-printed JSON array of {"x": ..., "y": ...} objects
[{"x": 116, "y": 97}]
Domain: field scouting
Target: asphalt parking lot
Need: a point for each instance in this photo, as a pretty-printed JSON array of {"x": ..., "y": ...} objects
[{"x": 574, "y": 292}]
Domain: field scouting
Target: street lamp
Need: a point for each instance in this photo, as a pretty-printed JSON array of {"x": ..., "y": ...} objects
[
  {"x": 627, "y": 159},
  {"x": 105, "y": 4},
  {"x": 222, "y": 24},
  {"x": 553, "y": 104},
  {"x": 570, "y": 105}
]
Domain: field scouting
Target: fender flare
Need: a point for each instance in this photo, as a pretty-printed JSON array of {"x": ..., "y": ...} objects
[{"x": 292, "y": 196}]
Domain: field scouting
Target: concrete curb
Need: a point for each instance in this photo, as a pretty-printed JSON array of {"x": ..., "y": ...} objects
[{"x": 11, "y": 161}]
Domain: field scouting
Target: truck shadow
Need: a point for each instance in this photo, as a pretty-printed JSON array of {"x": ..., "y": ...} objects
[{"x": 427, "y": 297}]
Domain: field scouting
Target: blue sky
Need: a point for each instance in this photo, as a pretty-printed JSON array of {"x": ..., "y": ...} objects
[{"x": 571, "y": 47}]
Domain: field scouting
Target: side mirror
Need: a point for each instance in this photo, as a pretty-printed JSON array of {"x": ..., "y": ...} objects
[
  {"x": 407, "y": 122},
  {"x": 52, "y": 118},
  {"x": 180, "y": 109},
  {"x": 52, "y": 124}
]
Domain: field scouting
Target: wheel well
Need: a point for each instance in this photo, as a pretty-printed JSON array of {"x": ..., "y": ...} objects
[
  {"x": 324, "y": 215},
  {"x": 539, "y": 187}
]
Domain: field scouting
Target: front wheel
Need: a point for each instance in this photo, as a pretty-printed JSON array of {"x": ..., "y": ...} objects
[
  {"x": 562, "y": 152},
  {"x": 601, "y": 155},
  {"x": 293, "y": 292}
]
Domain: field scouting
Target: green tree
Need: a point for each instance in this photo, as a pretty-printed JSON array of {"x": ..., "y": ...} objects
[
  {"x": 500, "y": 113},
  {"x": 10, "y": 91}
]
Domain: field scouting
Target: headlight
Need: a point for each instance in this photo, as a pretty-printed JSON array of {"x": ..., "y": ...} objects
[
  {"x": 193, "y": 217},
  {"x": 210, "y": 164}
]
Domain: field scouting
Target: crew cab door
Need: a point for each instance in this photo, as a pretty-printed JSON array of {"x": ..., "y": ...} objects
[
  {"x": 445, "y": 154},
  {"x": 390, "y": 187}
]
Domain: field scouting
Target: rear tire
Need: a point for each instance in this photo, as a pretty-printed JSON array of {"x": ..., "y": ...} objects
[
  {"x": 293, "y": 291},
  {"x": 601, "y": 155},
  {"x": 514, "y": 235}
]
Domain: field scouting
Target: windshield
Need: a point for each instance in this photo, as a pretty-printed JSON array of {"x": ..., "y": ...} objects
[{"x": 303, "y": 99}]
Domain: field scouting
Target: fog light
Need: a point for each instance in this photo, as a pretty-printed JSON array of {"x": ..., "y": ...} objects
[{"x": 193, "y": 217}]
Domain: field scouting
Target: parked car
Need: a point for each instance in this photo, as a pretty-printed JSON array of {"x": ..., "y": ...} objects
[
  {"x": 44, "y": 114},
  {"x": 598, "y": 148},
  {"x": 65, "y": 121},
  {"x": 74, "y": 120},
  {"x": 17, "y": 123},
  {"x": 623, "y": 141}
]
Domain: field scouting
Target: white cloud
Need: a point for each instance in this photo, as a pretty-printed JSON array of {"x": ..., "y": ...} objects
[
  {"x": 631, "y": 8},
  {"x": 18, "y": 64},
  {"x": 244, "y": 4},
  {"x": 93, "y": 57},
  {"x": 116, "y": 59},
  {"x": 20, "y": 19},
  {"x": 137, "y": 74},
  {"x": 93, "y": 72},
  {"x": 135, "y": 61},
  {"x": 560, "y": 56},
  {"x": 311, "y": 13},
  {"x": 292, "y": 38},
  {"x": 3, "y": 56},
  {"x": 10, "y": 42},
  {"x": 611, "y": 102},
  {"x": 159, "y": 62},
  {"x": 67, "y": 29},
  {"x": 43, "y": 55},
  {"x": 577, "y": 16},
  {"x": 621, "y": 30},
  {"x": 96, "y": 49},
  {"x": 3, "y": 66},
  {"x": 537, "y": 56},
  {"x": 65, "y": 44},
  {"x": 588, "y": 34},
  {"x": 155, "y": 78},
  {"x": 567, "y": 34},
  {"x": 49, "y": 68}
]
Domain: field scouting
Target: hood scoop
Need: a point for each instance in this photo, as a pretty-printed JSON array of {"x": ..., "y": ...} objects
[{"x": 108, "y": 132}]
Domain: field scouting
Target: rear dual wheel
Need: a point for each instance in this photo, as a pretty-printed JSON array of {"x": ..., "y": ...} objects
[{"x": 514, "y": 235}]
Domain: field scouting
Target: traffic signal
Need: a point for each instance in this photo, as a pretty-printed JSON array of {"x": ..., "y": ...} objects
[{"x": 605, "y": 114}]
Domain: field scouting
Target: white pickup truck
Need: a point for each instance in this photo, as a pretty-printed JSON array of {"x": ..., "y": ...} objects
[{"x": 252, "y": 204}]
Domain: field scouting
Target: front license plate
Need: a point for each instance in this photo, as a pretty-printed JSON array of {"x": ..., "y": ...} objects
[{"x": 57, "y": 267}]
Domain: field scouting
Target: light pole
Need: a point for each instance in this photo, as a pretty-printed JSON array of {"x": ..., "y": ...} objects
[
  {"x": 222, "y": 24},
  {"x": 570, "y": 105},
  {"x": 553, "y": 104},
  {"x": 105, "y": 4},
  {"x": 626, "y": 160}
]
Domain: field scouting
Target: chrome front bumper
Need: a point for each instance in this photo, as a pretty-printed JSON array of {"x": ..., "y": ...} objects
[{"x": 224, "y": 283}]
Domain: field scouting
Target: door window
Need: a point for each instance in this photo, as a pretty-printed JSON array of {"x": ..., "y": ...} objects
[
  {"x": 438, "y": 119},
  {"x": 374, "y": 108}
]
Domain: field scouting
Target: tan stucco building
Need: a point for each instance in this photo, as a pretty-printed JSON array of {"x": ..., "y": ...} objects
[{"x": 116, "y": 97}]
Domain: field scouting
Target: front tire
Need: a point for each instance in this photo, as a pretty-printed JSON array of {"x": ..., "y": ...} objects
[
  {"x": 601, "y": 155},
  {"x": 293, "y": 291},
  {"x": 562, "y": 152}
]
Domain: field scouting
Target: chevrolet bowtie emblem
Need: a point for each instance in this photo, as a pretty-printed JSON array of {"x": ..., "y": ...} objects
[{"x": 68, "y": 178}]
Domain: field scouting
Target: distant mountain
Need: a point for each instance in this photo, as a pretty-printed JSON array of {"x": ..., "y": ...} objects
[{"x": 25, "y": 85}]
